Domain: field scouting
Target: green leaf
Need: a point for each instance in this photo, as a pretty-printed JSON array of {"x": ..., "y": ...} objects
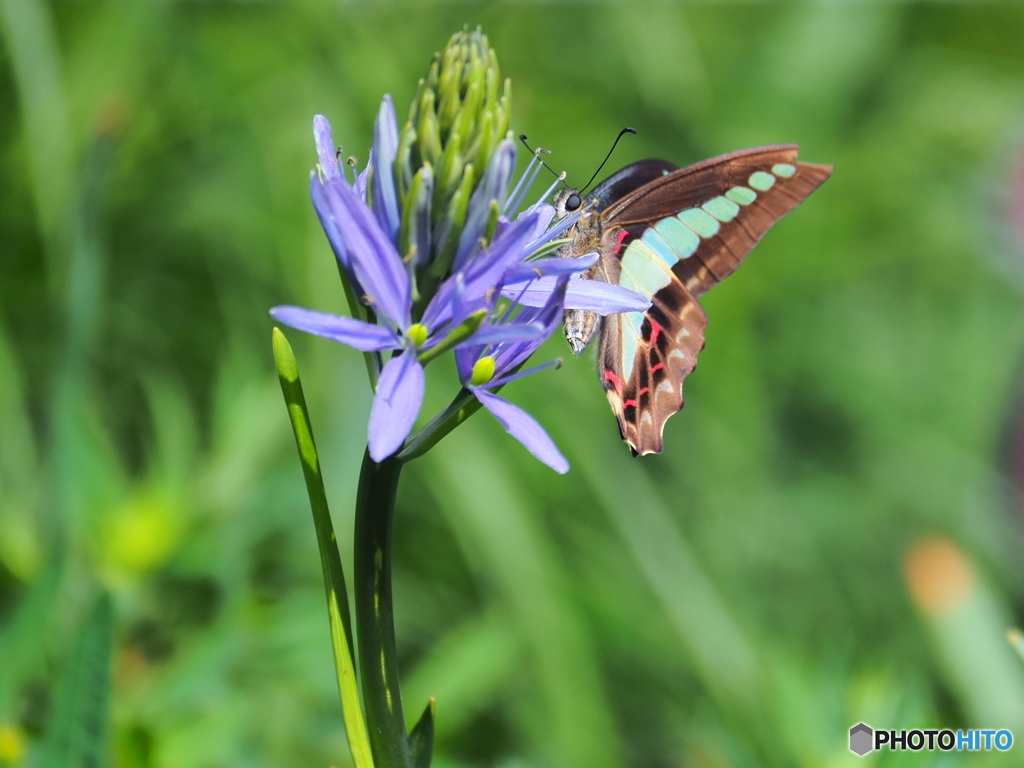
[
  {"x": 330, "y": 559},
  {"x": 421, "y": 739},
  {"x": 78, "y": 733}
]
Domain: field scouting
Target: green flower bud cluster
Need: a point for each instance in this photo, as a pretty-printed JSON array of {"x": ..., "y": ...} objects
[{"x": 457, "y": 118}]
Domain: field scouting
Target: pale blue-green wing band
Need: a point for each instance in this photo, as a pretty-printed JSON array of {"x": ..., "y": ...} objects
[
  {"x": 630, "y": 324},
  {"x": 784, "y": 170},
  {"x": 660, "y": 246},
  {"x": 742, "y": 195},
  {"x": 700, "y": 221},
  {"x": 645, "y": 268},
  {"x": 761, "y": 181},
  {"x": 721, "y": 208},
  {"x": 683, "y": 240}
]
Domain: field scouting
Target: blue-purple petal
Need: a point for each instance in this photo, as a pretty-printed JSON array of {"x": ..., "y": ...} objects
[
  {"x": 499, "y": 334},
  {"x": 372, "y": 256},
  {"x": 346, "y": 330},
  {"x": 508, "y": 357},
  {"x": 396, "y": 405},
  {"x": 385, "y": 150},
  {"x": 591, "y": 295},
  {"x": 502, "y": 225},
  {"x": 542, "y": 214},
  {"x": 323, "y": 211},
  {"x": 325, "y": 147},
  {"x": 501, "y": 381},
  {"x": 524, "y": 428},
  {"x": 493, "y": 186},
  {"x": 552, "y": 265},
  {"x": 361, "y": 179},
  {"x": 604, "y": 298},
  {"x": 485, "y": 271}
]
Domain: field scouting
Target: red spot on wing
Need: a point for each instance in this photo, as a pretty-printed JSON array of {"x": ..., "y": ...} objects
[
  {"x": 655, "y": 331},
  {"x": 628, "y": 403},
  {"x": 657, "y": 366},
  {"x": 643, "y": 391},
  {"x": 615, "y": 380},
  {"x": 623, "y": 234}
]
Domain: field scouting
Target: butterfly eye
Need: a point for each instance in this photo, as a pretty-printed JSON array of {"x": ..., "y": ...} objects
[{"x": 572, "y": 203}]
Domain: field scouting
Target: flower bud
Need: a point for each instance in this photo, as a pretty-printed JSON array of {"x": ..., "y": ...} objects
[{"x": 457, "y": 119}]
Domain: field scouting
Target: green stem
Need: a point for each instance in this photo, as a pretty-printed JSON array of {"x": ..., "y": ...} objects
[
  {"x": 461, "y": 408},
  {"x": 375, "y": 624},
  {"x": 330, "y": 559}
]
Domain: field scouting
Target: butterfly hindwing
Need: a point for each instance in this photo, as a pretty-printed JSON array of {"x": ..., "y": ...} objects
[
  {"x": 644, "y": 358},
  {"x": 675, "y": 235}
]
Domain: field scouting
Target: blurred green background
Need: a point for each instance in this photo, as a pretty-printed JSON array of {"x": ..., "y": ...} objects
[{"x": 832, "y": 535}]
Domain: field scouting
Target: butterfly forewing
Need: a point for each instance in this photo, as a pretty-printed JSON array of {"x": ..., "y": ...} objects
[
  {"x": 728, "y": 202},
  {"x": 676, "y": 234}
]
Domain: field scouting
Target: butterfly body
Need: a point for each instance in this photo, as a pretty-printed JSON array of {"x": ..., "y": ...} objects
[{"x": 671, "y": 234}]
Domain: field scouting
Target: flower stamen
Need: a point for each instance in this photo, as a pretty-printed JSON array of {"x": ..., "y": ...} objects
[
  {"x": 523, "y": 185},
  {"x": 417, "y": 334},
  {"x": 555, "y": 183},
  {"x": 483, "y": 371}
]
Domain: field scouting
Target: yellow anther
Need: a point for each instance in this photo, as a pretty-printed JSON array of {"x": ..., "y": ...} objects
[
  {"x": 417, "y": 334},
  {"x": 483, "y": 371}
]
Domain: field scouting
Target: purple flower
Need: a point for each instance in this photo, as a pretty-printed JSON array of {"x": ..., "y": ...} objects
[
  {"x": 362, "y": 223},
  {"x": 386, "y": 288},
  {"x": 483, "y": 368}
]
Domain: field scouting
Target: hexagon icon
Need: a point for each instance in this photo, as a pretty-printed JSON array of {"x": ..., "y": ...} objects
[{"x": 861, "y": 739}]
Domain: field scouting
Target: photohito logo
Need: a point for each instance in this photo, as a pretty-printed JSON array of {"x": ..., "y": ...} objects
[{"x": 864, "y": 739}]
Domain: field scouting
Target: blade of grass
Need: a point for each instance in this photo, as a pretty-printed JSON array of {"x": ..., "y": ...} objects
[
  {"x": 78, "y": 735},
  {"x": 330, "y": 559},
  {"x": 421, "y": 740}
]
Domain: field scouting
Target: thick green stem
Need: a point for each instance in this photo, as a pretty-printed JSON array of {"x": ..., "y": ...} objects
[
  {"x": 378, "y": 659},
  {"x": 461, "y": 408}
]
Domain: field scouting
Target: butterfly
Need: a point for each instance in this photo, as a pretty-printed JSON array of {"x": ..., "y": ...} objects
[{"x": 671, "y": 234}]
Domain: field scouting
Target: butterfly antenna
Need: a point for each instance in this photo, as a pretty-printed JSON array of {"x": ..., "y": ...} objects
[
  {"x": 622, "y": 133},
  {"x": 541, "y": 151}
]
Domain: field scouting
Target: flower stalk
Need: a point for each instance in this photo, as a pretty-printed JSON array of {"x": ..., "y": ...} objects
[
  {"x": 435, "y": 261},
  {"x": 375, "y": 622}
]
